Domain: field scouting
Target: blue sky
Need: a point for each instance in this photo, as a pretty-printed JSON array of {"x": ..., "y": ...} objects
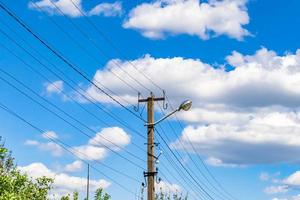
[{"x": 237, "y": 60}]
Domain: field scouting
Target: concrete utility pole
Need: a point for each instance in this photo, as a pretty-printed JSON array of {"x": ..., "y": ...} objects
[{"x": 151, "y": 173}]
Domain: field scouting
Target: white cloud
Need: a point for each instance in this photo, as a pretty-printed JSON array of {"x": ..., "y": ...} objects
[
  {"x": 96, "y": 149},
  {"x": 249, "y": 115},
  {"x": 55, "y": 87},
  {"x": 63, "y": 183},
  {"x": 52, "y": 147},
  {"x": 276, "y": 189},
  {"x": 219, "y": 163},
  {"x": 293, "y": 180},
  {"x": 297, "y": 197},
  {"x": 111, "y": 137},
  {"x": 171, "y": 17},
  {"x": 74, "y": 8},
  {"x": 75, "y": 166},
  {"x": 167, "y": 188},
  {"x": 263, "y": 79},
  {"x": 107, "y": 9},
  {"x": 66, "y": 7},
  {"x": 87, "y": 152},
  {"x": 264, "y": 176},
  {"x": 50, "y": 134},
  {"x": 262, "y": 140},
  {"x": 31, "y": 142}
]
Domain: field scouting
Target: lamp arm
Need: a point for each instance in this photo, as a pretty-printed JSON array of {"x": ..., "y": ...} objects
[{"x": 165, "y": 117}]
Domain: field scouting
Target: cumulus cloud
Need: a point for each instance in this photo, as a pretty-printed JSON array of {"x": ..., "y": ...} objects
[
  {"x": 74, "y": 8},
  {"x": 297, "y": 197},
  {"x": 168, "y": 188},
  {"x": 260, "y": 80},
  {"x": 248, "y": 115},
  {"x": 262, "y": 140},
  {"x": 114, "y": 137},
  {"x": 107, "y": 9},
  {"x": 96, "y": 149},
  {"x": 88, "y": 152},
  {"x": 171, "y": 17},
  {"x": 63, "y": 183},
  {"x": 51, "y": 147},
  {"x": 50, "y": 134},
  {"x": 67, "y": 7},
  {"x": 276, "y": 189},
  {"x": 75, "y": 166},
  {"x": 55, "y": 87}
]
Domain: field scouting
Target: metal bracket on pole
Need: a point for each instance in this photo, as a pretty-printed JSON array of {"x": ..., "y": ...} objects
[
  {"x": 165, "y": 105},
  {"x": 137, "y": 108}
]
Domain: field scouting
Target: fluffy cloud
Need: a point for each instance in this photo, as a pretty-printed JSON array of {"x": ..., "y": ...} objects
[
  {"x": 96, "y": 148},
  {"x": 66, "y": 6},
  {"x": 248, "y": 115},
  {"x": 164, "y": 17},
  {"x": 88, "y": 152},
  {"x": 55, "y": 87},
  {"x": 52, "y": 147},
  {"x": 74, "y": 166},
  {"x": 276, "y": 189},
  {"x": 112, "y": 137},
  {"x": 293, "y": 180},
  {"x": 50, "y": 134},
  {"x": 168, "y": 188},
  {"x": 63, "y": 183},
  {"x": 260, "y": 80},
  {"x": 107, "y": 9},
  {"x": 297, "y": 197},
  {"x": 272, "y": 138},
  {"x": 74, "y": 8}
]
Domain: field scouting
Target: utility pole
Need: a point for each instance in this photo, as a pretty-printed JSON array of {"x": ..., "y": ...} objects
[
  {"x": 88, "y": 182},
  {"x": 151, "y": 173}
]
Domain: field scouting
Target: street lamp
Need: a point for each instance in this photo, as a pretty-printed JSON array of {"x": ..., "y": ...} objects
[{"x": 186, "y": 105}]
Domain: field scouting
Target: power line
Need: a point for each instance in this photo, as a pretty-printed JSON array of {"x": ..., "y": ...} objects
[
  {"x": 185, "y": 169},
  {"x": 61, "y": 144},
  {"x": 82, "y": 47},
  {"x": 112, "y": 44},
  {"x": 150, "y": 79},
  {"x": 61, "y": 110},
  {"x": 69, "y": 123},
  {"x": 201, "y": 160},
  {"x": 90, "y": 99},
  {"x": 69, "y": 64},
  {"x": 218, "y": 193}
]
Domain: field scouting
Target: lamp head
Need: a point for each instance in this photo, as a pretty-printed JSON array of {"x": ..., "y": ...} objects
[{"x": 186, "y": 105}]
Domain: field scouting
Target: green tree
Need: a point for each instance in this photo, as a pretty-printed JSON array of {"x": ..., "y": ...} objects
[
  {"x": 17, "y": 186},
  {"x": 75, "y": 196},
  {"x": 100, "y": 195}
]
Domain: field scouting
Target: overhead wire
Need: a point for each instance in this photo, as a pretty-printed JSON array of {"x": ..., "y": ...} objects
[
  {"x": 223, "y": 190},
  {"x": 62, "y": 58},
  {"x": 218, "y": 192},
  {"x": 71, "y": 124},
  {"x": 185, "y": 169},
  {"x": 62, "y": 111},
  {"x": 85, "y": 96},
  {"x": 61, "y": 144},
  {"x": 82, "y": 47},
  {"x": 93, "y": 42},
  {"x": 110, "y": 42},
  {"x": 150, "y": 79},
  {"x": 101, "y": 33}
]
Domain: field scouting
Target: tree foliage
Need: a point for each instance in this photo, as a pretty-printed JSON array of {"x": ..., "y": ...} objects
[{"x": 17, "y": 186}]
